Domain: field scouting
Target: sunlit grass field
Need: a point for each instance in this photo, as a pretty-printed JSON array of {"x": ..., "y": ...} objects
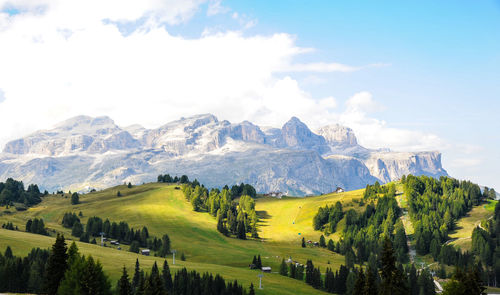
[
  {"x": 466, "y": 225},
  {"x": 289, "y": 219}
]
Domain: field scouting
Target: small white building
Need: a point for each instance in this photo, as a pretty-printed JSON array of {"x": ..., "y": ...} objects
[
  {"x": 276, "y": 195},
  {"x": 339, "y": 190},
  {"x": 266, "y": 269},
  {"x": 145, "y": 252}
]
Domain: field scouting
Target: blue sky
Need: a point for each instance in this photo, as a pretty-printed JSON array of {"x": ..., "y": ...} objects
[{"x": 409, "y": 75}]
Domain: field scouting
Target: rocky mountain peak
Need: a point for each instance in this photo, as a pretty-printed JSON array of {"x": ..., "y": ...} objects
[
  {"x": 297, "y": 135},
  {"x": 86, "y": 124},
  {"x": 338, "y": 135}
]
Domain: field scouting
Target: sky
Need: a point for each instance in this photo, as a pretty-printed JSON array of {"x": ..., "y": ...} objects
[{"x": 407, "y": 75}]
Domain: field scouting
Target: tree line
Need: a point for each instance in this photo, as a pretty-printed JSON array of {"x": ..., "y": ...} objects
[
  {"x": 434, "y": 207},
  {"x": 364, "y": 232},
  {"x": 486, "y": 245},
  {"x": 36, "y": 226},
  {"x": 382, "y": 275},
  {"x": 12, "y": 191},
  {"x": 116, "y": 230},
  {"x": 183, "y": 282},
  {"x": 166, "y": 178},
  {"x": 233, "y": 218}
]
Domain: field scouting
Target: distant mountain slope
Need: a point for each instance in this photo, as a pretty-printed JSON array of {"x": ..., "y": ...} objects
[{"x": 85, "y": 152}]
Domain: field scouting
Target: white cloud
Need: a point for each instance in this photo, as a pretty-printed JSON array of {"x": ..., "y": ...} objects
[
  {"x": 375, "y": 133},
  {"x": 64, "y": 60},
  {"x": 2, "y": 96},
  {"x": 215, "y": 7}
]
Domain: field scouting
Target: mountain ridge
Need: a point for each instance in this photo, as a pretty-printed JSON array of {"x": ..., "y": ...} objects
[{"x": 86, "y": 152}]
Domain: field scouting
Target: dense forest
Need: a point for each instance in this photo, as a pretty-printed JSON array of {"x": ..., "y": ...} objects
[
  {"x": 383, "y": 275},
  {"x": 12, "y": 193},
  {"x": 116, "y": 230},
  {"x": 233, "y": 218},
  {"x": 486, "y": 246},
  {"x": 65, "y": 271},
  {"x": 364, "y": 232},
  {"x": 434, "y": 207}
]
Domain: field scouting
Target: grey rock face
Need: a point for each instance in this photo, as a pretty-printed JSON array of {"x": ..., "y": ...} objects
[
  {"x": 85, "y": 152},
  {"x": 338, "y": 135}
]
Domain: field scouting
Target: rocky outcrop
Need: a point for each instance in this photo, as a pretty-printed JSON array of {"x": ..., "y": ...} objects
[
  {"x": 85, "y": 152},
  {"x": 338, "y": 135}
]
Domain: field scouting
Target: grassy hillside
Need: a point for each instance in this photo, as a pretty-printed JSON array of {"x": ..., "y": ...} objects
[
  {"x": 283, "y": 220},
  {"x": 163, "y": 209},
  {"x": 462, "y": 235}
]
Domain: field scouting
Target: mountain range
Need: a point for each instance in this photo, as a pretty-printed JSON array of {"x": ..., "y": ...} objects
[{"x": 86, "y": 152}]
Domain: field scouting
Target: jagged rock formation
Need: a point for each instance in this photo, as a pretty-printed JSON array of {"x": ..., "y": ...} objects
[{"x": 85, "y": 152}]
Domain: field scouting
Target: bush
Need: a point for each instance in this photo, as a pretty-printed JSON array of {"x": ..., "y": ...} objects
[{"x": 75, "y": 199}]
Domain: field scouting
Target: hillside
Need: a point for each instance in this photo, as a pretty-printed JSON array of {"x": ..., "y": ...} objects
[{"x": 163, "y": 209}]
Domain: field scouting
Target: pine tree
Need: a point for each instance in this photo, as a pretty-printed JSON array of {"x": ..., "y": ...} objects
[
  {"x": 123, "y": 287},
  {"x": 283, "y": 268},
  {"x": 75, "y": 199},
  {"x": 360, "y": 283},
  {"x": 8, "y": 253},
  {"x": 309, "y": 272},
  {"x": 56, "y": 266},
  {"x": 392, "y": 278},
  {"x": 154, "y": 284},
  {"x": 241, "y": 230},
  {"x": 251, "y": 291},
  {"x": 322, "y": 242},
  {"x": 331, "y": 246},
  {"x": 137, "y": 276},
  {"x": 303, "y": 243},
  {"x": 167, "y": 277},
  {"x": 371, "y": 287},
  {"x": 259, "y": 262}
]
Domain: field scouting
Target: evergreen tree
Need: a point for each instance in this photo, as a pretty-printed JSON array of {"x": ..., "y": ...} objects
[
  {"x": 165, "y": 246},
  {"x": 154, "y": 284},
  {"x": 8, "y": 253},
  {"x": 322, "y": 242},
  {"x": 350, "y": 283},
  {"x": 309, "y": 272},
  {"x": 303, "y": 243},
  {"x": 77, "y": 229},
  {"x": 75, "y": 199},
  {"x": 167, "y": 277},
  {"x": 241, "y": 230},
  {"x": 137, "y": 276},
  {"x": 123, "y": 286},
  {"x": 412, "y": 281},
  {"x": 392, "y": 279},
  {"x": 371, "y": 287},
  {"x": 259, "y": 262},
  {"x": 359, "y": 286},
  {"x": 330, "y": 245},
  {"x": 283, "y": 268},
  {"x": 134, "y": 247},
  {"x": 251, "y": 291},
  {"x": 56, "y": 265}
]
